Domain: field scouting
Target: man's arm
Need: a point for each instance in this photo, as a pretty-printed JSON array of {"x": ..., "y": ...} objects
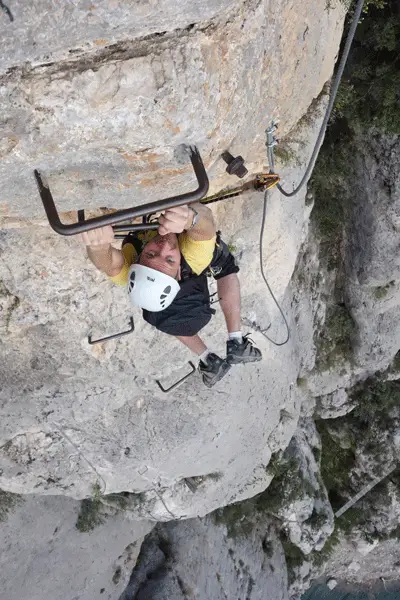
[
  {"x": 100, "y": 251},
  {"x": 176, "y": 220}
]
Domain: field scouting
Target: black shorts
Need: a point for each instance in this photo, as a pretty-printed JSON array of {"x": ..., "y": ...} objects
[{"x": 223, "y": 262}]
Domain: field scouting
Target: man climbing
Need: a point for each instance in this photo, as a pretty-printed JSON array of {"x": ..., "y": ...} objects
[{"x": 166, "y": 274}]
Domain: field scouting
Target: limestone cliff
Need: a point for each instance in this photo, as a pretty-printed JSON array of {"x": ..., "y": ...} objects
[
  {"x": 101, "y": 115},
  {"x": 99, "y": 95}
]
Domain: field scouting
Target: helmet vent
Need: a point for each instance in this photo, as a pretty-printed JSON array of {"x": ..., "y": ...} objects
[
  {"x": 165, "y": 294},
  {"x": 132, "y": 280}
]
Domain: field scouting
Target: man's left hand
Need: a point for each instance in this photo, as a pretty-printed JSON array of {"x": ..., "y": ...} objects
[{"x": 174, "y": 220}]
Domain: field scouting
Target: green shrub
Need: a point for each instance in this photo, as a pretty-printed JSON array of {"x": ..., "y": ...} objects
[
  {"x": 301, "y": 382},
  {"x": 368, "y": 97},
  {"x": 375, "y": 401},
  {"x": 287, "y": 486},
  {"x": 369, "y": 92},
  {"x": 8, "y": 502},
  {"x": 334, "y": 341},
  {"x": 364, "y": 428},
  {"x": 293, "y": 556},
  {"x": 316, "y": 520},
  {"x": 317, "y": 454},
  {"x": 336, "y": 463},
  {"x": 381, "y": 291},
  {"x": 89, "y": 515},
  {"x": 216, "y": 476},
  {"x": 238, "y": 518},
  {"x": 284, "y": 153},
  {"x": 396, "y": 361},
  {"x": 354, "y": 518},
  {"x": 319, "y": 557},
  {"x": 268, "y": 548},
  {"x": 330, "y": 186}
]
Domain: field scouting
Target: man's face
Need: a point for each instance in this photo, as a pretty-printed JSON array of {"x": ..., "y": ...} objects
[{"x": 163, "y": 254}]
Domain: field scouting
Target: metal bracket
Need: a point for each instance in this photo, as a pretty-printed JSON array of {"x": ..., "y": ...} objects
[
  {"x": 215, "y": 300},
  {"x": 266, "y": 181},
  {"x": 174, "y": 385},
  {"x": 114, "y": 336},
  {"x": 273, "y": 126},
  {"x": 121, "y": 231},
  {"x": 127, "y": 213},
  {"x": 270, "y": 143}
]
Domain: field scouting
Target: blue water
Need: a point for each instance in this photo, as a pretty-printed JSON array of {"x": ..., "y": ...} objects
[{"x": 322, "y": 592}]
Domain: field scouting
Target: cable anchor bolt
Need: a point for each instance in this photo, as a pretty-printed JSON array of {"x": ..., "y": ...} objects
[{"x": 235, "y": 165}]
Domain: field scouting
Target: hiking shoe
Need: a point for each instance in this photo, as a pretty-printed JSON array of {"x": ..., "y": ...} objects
[
  {"x": 214, "y": 370},
  {"x": 244, "y": 352}
]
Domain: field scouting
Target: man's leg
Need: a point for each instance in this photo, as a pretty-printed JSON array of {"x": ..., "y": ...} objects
[
  {"x": 194, "y": 343},
  {"x": 211, "y": 366},
  {"x": 239, "y": 349},
  {"x": 229, "y": 298}
]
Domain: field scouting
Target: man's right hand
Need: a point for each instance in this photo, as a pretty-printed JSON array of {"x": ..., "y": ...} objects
[
  {"x": 99, "y": 247},
  {"x": 102, "y": 236}
]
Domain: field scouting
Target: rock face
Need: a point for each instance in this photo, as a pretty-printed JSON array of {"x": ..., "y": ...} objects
[
  {"x": 99, "y": 96},
  {"x": 373, "y": 264},
  {"x": 197, "y": 558},
  {"x": 43, "y": 554},
  {"x": 368, "y": 282},
  {"x": 75, "y": 415},
  {"x": 307, "y": 516},
  {"x": 101, "y": 116}
]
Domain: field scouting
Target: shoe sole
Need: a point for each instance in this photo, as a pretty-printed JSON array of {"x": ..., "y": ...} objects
[
  {"x": 217, "y": 377},
  {"x": 235, "y": 360}
]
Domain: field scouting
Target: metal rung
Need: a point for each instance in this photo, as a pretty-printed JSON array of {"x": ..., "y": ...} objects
[
  {"x": 174, "y": 385},
  {"x": 125, "y": 214},
  {"x": 114, "y": 336}
]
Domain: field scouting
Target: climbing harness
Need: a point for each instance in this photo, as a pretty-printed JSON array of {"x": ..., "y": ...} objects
[{"x": 147, "y": 212}]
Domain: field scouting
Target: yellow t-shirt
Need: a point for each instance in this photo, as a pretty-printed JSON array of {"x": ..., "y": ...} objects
[{"x": 198, "y": 254}]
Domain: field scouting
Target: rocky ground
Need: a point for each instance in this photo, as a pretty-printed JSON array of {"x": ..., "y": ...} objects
[{"x": 375, "y": 566}]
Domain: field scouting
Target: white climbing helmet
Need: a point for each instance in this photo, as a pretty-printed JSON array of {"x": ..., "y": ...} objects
[{"x": 151, "y": 289}]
